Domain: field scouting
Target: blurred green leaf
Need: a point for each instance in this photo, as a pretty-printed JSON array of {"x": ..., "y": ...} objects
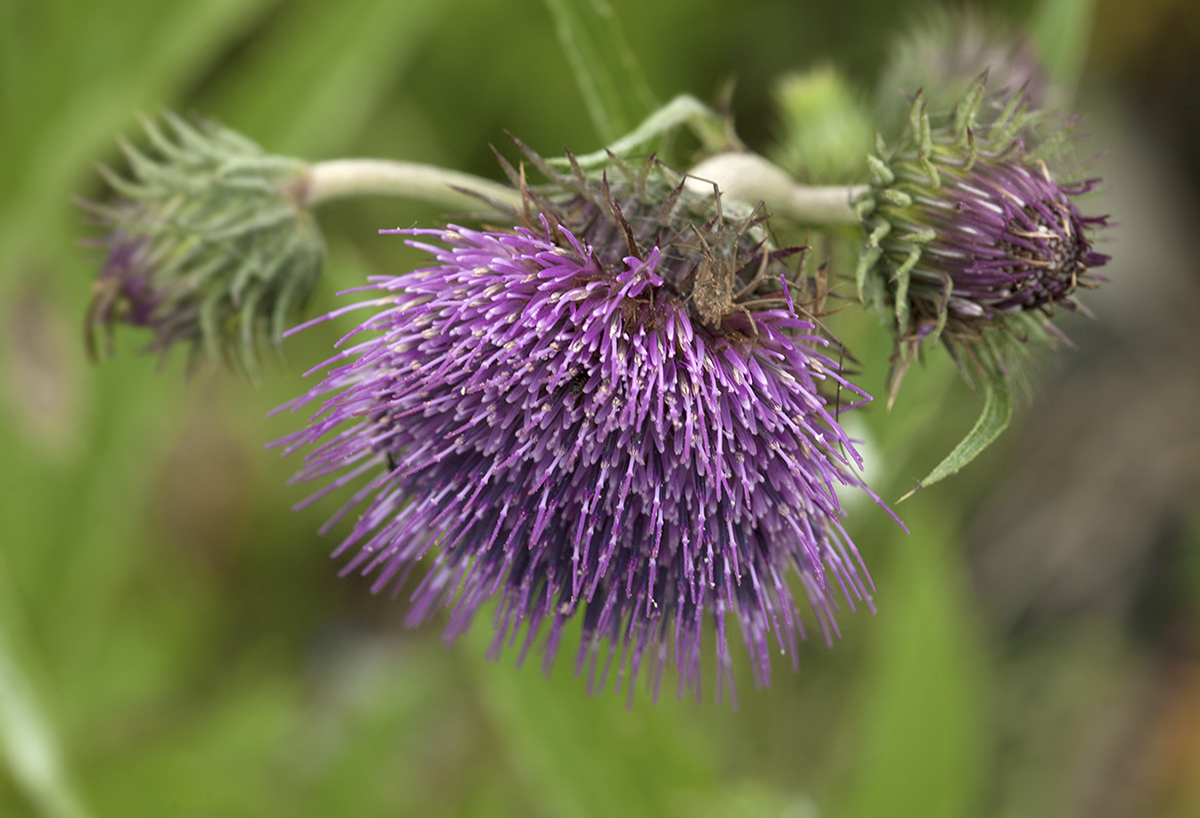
[
  {"x": 609, "y": 78},
  {"x": 83, "y": 72},
  {"x": 592, "y": 755},
  {"x": 923, "y": 737},
  {"x": 997, "y": 413},
  {"x": 1061, "y": 31},
  {"x": 31, "y": 748},
  {"x": 221, "y": 758},
  {"x": 314, "y": 80}
]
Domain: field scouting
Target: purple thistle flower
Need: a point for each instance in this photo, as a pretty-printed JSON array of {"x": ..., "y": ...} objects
[
  {"x": 970, "y": 239},
  {"x": 555, "y": 424}
]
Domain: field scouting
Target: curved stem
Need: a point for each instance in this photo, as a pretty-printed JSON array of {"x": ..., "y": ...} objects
[
  {"x": 340, "y": 178},
  {"x": 750, "y": 178},
  {"x": 707, "y": 125}
]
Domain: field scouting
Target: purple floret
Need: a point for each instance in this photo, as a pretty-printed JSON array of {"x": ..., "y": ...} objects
[{"x": 565, "y": 435}]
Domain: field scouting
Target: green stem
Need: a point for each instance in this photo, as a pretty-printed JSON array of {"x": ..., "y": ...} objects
[
  {"x": 744, "y": 176},
  {"x": 341, "y": 178}
]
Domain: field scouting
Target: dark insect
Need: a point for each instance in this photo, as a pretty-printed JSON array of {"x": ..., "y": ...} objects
[{"x": 577, "y": 383}]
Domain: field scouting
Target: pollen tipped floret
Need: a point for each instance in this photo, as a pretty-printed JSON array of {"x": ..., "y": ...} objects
[
  {"x": 208, "y": 244},
  {"x": 550, "y": 423},
  {"x": 969, "y": 237}
]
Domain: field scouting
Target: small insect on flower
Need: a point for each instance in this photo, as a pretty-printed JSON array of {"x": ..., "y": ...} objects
[
  {"x": 715, "y": 277},
  {"x": 545, "y": 415},
  {"x": 969, "y": 237}
]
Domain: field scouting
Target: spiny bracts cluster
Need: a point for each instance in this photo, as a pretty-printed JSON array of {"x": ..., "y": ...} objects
[
  {"x": 207, "y": 244},
  {"x": 970, "y": 238},
  {"x": 552, "y": 416}
]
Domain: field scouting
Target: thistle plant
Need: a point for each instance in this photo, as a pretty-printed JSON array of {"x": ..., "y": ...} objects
[
  {"x": 554, "y": 409},
  {"x": 612, "y": 395},
  {"x": 213, "y": 243},
  {"x": 944, "y": 53}
]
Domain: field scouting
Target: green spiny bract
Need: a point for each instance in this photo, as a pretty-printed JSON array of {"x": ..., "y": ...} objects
[{"x": 208, "y": 244}]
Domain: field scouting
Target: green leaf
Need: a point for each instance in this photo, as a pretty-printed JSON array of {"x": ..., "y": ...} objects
[
  {"x": 598, "y": 755},
  {"x": 611, "y": 82},
  {"x": 997, "y": 412},
  {"x": 27, "y": 740},
  {"x": 1061, "y": 31},
  {"x": 923, "y": 744},
  {"x": 72, "y": 101}
]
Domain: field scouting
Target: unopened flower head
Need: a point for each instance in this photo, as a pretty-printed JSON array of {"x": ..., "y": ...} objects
[
  {"x": 208, "y": 245},
  {"x": 558, "y": 417},
  {"x": 970, "y": 238}
]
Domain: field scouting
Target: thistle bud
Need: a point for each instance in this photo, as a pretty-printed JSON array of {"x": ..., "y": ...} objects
[
  {"x": 208, "y": 243},
  {"x": 969, "y": 236},
  {"x": 825, "y": 129}
]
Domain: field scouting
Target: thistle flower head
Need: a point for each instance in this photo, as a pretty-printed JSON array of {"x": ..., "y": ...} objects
[
  {"x": 554, "y": 416},
  {"x": 969, "y": 237},
  {"x": 208, "y": 245}
]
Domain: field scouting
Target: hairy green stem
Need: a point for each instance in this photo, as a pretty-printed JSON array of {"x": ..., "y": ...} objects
[
  {"x": 707, "y": 125},
  {"x": 747, "y": 177},
  {"x": 341, "y": 178},
  {"x": 750, "y": 178}
]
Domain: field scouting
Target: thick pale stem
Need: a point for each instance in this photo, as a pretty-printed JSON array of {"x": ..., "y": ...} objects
[
  {"x": 750, "y": 178},
  {"x": 746, "y": 177},
  {"x": 341, "y": 178}
]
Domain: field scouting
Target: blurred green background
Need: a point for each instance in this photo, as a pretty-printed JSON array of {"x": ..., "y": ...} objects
[{"x": 175, "y": 642}]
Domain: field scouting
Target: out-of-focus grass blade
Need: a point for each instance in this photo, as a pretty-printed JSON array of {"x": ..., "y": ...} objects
[
  {"x": 317, "y": 76},
  {"x": 31, "y": 748},
  {"x": 221, "y": 759},
  {"x": 997, "y": 412},
  {"x": 609, "y": 78},
  {"x": 1062, "y": 31},
  {"x": 923, "y": 738}
]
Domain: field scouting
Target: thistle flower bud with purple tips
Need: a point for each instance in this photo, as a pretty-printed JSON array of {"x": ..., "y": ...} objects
[
  {"x": 209, "y": 245},
  {"x": 614, "y": 411},
  {"x": 970, "y": 238}
]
